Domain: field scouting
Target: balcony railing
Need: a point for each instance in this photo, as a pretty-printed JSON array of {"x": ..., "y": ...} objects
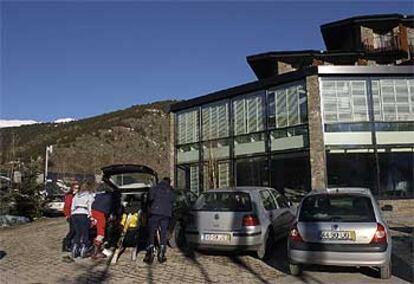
[{"x": 381, "y": 43}]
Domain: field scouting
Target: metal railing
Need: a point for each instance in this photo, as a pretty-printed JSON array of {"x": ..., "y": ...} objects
[{"x": 381, "y": 43}]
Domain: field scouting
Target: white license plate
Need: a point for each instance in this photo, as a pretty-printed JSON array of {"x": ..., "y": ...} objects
[
  {"x": 337, "y": 235},
  {"x": 56, "y": 206},
  {"x": 216, "y": 237}
]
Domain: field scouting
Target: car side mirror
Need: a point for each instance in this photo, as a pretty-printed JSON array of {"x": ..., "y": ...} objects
[{"x": 386, "y": 207}]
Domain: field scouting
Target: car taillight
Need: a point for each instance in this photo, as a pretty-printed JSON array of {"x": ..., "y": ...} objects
[
  {"x": 294, "y": 234},
  {"x": 380, "y": 236},
  {"x": 250, "y": 220}
]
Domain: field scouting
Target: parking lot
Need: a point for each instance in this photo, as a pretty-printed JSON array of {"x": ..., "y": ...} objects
[{"x": 33, "y": 256}]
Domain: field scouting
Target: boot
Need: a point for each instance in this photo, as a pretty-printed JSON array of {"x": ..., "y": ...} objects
[
  {"x": 66, "y": 245},
  {"x": 85, "y": 251},
  {"x": 161, "y": 254},
  {"x": 97, "y": 252},
  {"x": 75, "y": 251},
  {"x": 149, "y": 257}
]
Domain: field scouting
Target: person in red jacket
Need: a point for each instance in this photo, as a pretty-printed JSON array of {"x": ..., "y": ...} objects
[
  {"x": 67, "y": 241},
  {"x": 101, "y": 208}
]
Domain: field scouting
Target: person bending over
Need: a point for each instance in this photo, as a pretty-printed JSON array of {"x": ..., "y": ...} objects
[{"x": 160, "y": 199}]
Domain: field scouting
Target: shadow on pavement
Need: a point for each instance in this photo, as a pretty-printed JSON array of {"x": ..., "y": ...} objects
[
  {"x": 2, "y": 254},
  {"x": 93, "y": 273},
  {"x": 189, "y": 253},
  {"x": 278, "y": 258},
  {"x": 402, "y": 263},
  {"x": 242, "y": 264}
]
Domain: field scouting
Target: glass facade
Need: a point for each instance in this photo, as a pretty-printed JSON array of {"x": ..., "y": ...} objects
[
  {"x": 393, "y": 99},
  {"x": 369, "y": 133},
  {"x": 230, "y": 142},
  {"x": 261, "y": 138},
  {"x": 290, "y": 172},
  {"x": 287, "y": 106},
  {"x": 344, "y": 100}
]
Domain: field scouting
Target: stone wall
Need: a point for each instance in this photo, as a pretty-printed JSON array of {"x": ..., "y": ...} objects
[
  {"x": 316, "y": 141},
  {"x": 171, "y": 147}
]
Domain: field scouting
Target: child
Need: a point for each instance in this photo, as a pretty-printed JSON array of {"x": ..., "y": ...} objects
[
  {"x": 67, "y": 241},
  {"x": 81, "y": 215}
]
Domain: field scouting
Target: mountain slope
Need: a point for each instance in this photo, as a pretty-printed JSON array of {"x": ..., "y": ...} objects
[{"x": 138, "y": 134}]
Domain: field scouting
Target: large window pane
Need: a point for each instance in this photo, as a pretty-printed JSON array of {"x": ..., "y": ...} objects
[
  {"x": 249, "y": 144},
  {"x": 344, "y": 100},
  {"x": 289, "y": 138},
  {"x": 290, "y": 173},
  {"x": 352, "y": 170},
  {"x": 393, "y": 99},
  {"x": 188, "y": 127},
  {"x": 287, "y": 106},
  {"x": 397, "y": 173},
  {"x": 252, "y": 171},
  {"x": 248, "y": 114},
  {"x": 216, "y": 150},
  {"x": 188, "y": 153},
  {"x": 216, "y": 174},
  {"x": 188, "y": 178},
  {"x": 215, "y": 121}
]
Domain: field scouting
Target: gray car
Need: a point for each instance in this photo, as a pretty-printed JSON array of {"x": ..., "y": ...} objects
[
  {"x": 239, "y": 218},
  {"x": 341, "y": 227}
]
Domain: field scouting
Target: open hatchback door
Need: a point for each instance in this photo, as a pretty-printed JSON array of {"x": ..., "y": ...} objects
[
  {"x": 129, "y": 177},
  {"x": 132, "y": 182}
]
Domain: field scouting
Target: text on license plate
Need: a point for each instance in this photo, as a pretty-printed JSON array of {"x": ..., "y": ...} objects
[
  {"x": 216, "y": 237},
  {"x": 338, "y": 235}
]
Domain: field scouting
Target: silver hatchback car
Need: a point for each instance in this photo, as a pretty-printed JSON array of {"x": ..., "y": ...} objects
[
  {"x": 240, "y": 218},
  {"x": 343, "y": 227}
]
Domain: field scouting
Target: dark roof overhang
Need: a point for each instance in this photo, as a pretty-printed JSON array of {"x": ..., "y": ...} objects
[
  {"x": 264, "y": 64},
  {"x": 347, "y": 28},
  {"x": 367, "y": 19}
]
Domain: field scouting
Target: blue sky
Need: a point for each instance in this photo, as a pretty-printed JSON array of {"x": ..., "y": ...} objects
[{"x": 74, "y": 59}]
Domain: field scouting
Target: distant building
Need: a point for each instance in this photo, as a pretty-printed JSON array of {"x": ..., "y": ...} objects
[{"x": 340, "y": 117}]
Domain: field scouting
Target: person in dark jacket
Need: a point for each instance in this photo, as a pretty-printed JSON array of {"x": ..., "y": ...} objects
[
  {"x": 160, "y": 202},
  {"x": 67, "y": 241},
  {"x": 101, "y": 207}
]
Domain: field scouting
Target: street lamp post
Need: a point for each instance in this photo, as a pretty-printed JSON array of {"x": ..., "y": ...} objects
[{"x": 49, "y": 149}]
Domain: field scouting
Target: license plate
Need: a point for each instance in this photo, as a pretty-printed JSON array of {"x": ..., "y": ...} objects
[
  {"x": 56, "y": 206},
  {"x": 338, "y": 235},
  {"x": 216, "y": 237}
]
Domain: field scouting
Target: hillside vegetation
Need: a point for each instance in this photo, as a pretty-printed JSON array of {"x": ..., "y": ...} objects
[{"x": 138, "y": 134}]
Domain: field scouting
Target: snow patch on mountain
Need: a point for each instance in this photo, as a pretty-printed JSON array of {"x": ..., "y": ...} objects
[{"x": 15, "y": 123}]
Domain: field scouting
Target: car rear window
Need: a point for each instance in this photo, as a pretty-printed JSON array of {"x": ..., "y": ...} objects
[
  {"x": 223, "y": 201},
  {"x": 336, "y": 208}
]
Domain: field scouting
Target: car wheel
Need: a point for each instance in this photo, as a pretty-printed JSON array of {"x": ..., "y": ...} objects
[
  {"x": 295, "y": 269},
  {"x": 264, "y": 249},
  {"x": 385, "y": 271},
  {"x": 176, "y": 237}
]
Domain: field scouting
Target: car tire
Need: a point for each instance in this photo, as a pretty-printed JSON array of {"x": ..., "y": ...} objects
[
  {"x": 295, "y": 269},
  {"x": 385, "y": 271},
  {"x": 263, "y": 252},
  {"x": 176, "y": 237}
]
